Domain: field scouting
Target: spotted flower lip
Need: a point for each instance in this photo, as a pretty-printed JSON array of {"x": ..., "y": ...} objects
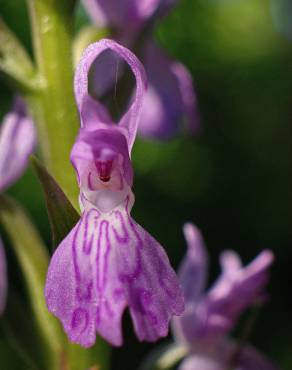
[
  {"x": 17, "y": 141},
  {"x": 210, "y": 315},
  {"x": 108, "y": 262}
]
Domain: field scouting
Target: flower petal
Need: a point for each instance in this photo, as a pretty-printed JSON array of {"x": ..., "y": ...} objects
[
  {"x": 82, "y": 289},
  {"x": 129, "y": 122},
  {"x": 154, "y": 294},
  {"x": 17, "y": 141},
  {"x": 189, "y": 99},
  {"x": 236, "y": 289},
  {"x": 3, "y": 278},
  {"x": 169, "y": 98},
  {"x": 193, "y": 269},
  {"x": 106, "y": 263},
  {"x": 89, "y": 143},
  {"x": 192, "y": 275}
]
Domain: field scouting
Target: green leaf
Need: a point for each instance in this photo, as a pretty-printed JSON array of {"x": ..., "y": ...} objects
[
  {"x": 33, "y": 259},
  {"x": 16, "y": 323},
  {"x": 97, "y": 357},
  {"x": 62, "y": 215},
  {"x": 15, "y": 63}
]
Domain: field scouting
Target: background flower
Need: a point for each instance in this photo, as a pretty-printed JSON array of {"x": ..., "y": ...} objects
[{"x": 210, "y": 316}]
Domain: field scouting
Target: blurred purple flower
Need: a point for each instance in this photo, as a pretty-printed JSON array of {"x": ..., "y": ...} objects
[
  {"x": 3, "y": 278},
  {"x": 108, "y": 261},
  {"x": 17, "y": 141},
  {"x": 125, "y": 14},
  {"x": 170, "y": 97},
  {"x": 210, "y": 316}
]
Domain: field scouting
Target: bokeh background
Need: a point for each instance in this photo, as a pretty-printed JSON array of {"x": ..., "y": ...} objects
[{"x": 233, "y": 180}]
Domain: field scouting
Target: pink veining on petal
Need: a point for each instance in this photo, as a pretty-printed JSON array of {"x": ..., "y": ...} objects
[{"x": 111, "y": 263}]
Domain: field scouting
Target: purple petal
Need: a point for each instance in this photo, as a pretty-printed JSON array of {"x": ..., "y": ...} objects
[
  {"x": 129, "y": 122},
  {"x": 106, "y": 263},
  {"x": 3, "y": 278},
  {"x": 17, "y": 141},
  {"x": 88, "y": 146},
  {"x": 170, "y": 96},
  {"x": 193, "y": 269},
  {"x": 189, "y": 100},
  {"x": 129, "y": 14},
  {"x": 236, "y": 289},
  {"x": 192, "y": 275},
  {"x": 227, "y": 354}
]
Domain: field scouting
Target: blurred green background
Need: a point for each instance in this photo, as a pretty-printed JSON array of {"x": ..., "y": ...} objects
[{"x": 233, "y": 180}]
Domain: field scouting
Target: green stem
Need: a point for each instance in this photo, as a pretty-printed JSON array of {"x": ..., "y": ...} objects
[{"x": 54, "y": 108}]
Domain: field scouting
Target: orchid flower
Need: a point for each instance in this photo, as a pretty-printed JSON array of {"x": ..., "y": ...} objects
[
  {"x": 209, "y": 316},
  {"x": 108, "y": 261},
  {"x": 17, "y": 141},
  {"x": 170, "y": 98}
]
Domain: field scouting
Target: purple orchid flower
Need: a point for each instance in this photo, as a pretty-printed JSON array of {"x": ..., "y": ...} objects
[
  {"x": 3, "y": 278},
  {"x": 170, "y": 98},
  {"x": 125, "y": 14},
  {"x": 209, "y": 316},
  {"x": 108, "y": 261},
  {"x": 17, "y": 141}
]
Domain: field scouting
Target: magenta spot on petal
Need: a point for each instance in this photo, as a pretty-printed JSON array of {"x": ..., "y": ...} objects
[
  {"x": 83, "y": 291},
  {"x": 145, "y": 297},
  {"x": 118, "y": 295},
  {"x": 80, "y": 320},
  {"x": 108, "y": 309},
  {"x": 152, "y": 318},
  {"x": 141, "y": 300}
]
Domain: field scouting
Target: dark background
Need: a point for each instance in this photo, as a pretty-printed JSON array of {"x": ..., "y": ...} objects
[{"x": 233, "y": 180}]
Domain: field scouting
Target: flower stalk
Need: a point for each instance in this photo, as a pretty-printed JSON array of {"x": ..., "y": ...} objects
[{"x": 53, "y": 108}]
